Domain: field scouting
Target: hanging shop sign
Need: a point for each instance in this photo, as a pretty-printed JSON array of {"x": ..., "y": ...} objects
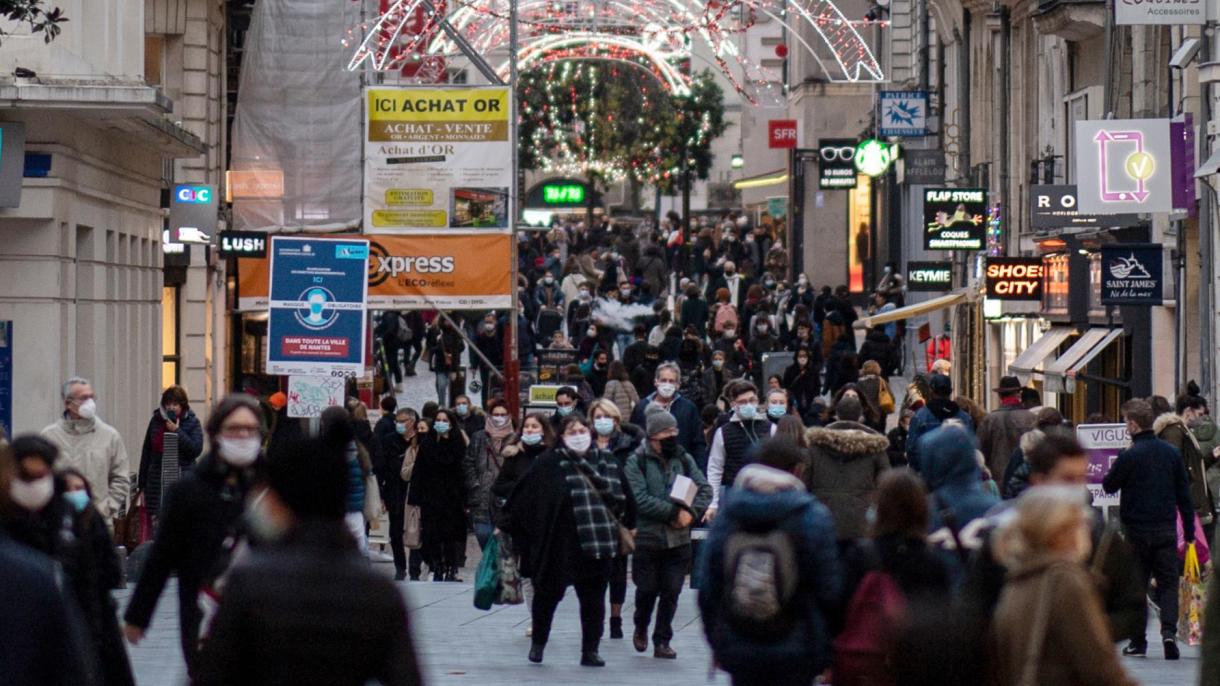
[
  {"x": 781, "y": 133},
  {"x": 318, "y": 294},
  {"x": 929, "y": 276},
  {"x": 6, "y": 376},
  {"x": 437, "y": 159},
  {"x": 1056, "y": 207},
  {"x": 1014, "y": 278},
  {"x": 1124, "y": 165},
  {"x": 836, "y": 163},
  {"x": 1182, "y": 143},
  {"x": 254, "y": 184},
  {"x": 922, "y": 167},
  {"x": 242, "y": 244},
  {"x": 454, "y": 272},
  {"x": 1159, "y": 12},
  {"x": 904, "y": 113},
  {"x": 874, "y": 157},
  {"x": 1103, "y": 443},
  {"x": 192, "y": 213},
  {"x": 954, "y": 218},
  {"x": 1132, "y": 274}
]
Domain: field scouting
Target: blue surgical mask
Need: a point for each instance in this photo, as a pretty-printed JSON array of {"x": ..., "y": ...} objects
[
  {"x": 531, "y": 439},
  {"x": 604, "y": 425},
  {"x": 747, "y": 412},
  {"x": 441, "y": 427},
  {"x": 565, "y": 410},
  {"x": 462, "y": 409},
  {"x": 400, "y": 427},
  {"x": 776, "y": 411},
  {"x": 78, "y": 499}
]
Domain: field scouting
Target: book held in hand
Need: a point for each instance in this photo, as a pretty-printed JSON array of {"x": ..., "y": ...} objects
[{"x": 684, "y": 490}]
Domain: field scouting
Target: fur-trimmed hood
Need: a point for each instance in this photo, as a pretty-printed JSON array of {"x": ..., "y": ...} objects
[
  {"x": 1170, "y": 419},
  {"x": 850, "y": 439}
]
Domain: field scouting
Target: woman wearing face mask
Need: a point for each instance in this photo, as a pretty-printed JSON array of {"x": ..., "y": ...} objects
[
  {"x": 200, "y": 512},
  {"x": 471, "y": 417},
  {"x": 611, "y": 434},
  {"x": 484, "y": 459},
  {"x": 777, "y": 404},
  {"x": 53, "y": 515},
  {"x": 564, "y": 516},
  {"x": 1049, "y": 627},
  {"x": 174, "y": 432},
  {"x": 439, "y": 487},
  {"x": 599, "y": 373},
  {"x": 803, "y": 380},
  {"x": 762, "y": 342}
]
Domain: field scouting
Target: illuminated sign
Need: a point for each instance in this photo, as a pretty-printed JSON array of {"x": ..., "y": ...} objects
[
  {"x": 1014, "y": 278},
  {"x": 1124, "y": 165},
  {"x": 873, "y": 157},
  {"x": 243, "y": 244},
  {"x": 929, "y": 276},
  {"x": 192, "y": 213},
  {"x": 563, "y": 194},
  {"x": 193, "y": 194},
  {"x": 1055, "y": 207},
  {"x": 836, "y": 163},
  {"x": 954, "y": 218}
]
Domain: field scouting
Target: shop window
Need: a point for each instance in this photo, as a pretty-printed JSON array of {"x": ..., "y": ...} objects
[
  {"x": 1055, "y": 284},
  {"x": 859, "y": 234},
  {"x": 169, "y": 336},
  {"x": 1096, "y": 309}
]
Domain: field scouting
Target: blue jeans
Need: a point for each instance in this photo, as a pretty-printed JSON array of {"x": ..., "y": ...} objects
[
  {"x": 442, "y": 389},
  {"x": 483, "y": 532}
]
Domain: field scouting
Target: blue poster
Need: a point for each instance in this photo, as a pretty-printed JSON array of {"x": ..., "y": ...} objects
[
  {"x": 317, "y": 306},
  {"x": 1132, "y": 274},
  {"x": 6, "y": 377}
]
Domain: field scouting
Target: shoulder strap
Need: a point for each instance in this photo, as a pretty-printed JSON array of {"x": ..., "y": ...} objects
[{"x": 1033, "y": 653}]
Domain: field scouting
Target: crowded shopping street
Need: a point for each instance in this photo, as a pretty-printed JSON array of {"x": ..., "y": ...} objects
[{"x": 739, "y": 342}]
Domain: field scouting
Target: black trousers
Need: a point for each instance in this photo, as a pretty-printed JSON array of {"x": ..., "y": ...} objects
[
  {"x": 1157, "y": 557},
  {"x": 618, "y": 581},
  {"x": 394, "y": 503},
  {"x": 659, "y": 575},
  {"x": 391, "y": 354},
  {"x": 415, "y": 562},
  {"x": 590, "y": 592}
]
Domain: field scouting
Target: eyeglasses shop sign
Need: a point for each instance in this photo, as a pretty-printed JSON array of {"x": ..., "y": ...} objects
[
  {"x": 1159, "y": 12},
  {"x": 836, "y": 166},
  {"x": 1132, "y": 274}
]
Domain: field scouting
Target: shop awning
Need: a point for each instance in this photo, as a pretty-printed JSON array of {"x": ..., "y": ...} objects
[
  {"x": 775, "y": 178},
  {"x": 1061, "y": 374},
  {"x": 1029, "y": 362},
  {"x": 938, "y": 303}
]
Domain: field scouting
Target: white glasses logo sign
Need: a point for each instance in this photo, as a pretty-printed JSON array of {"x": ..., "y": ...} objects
[{"x": 1138, "y": 166}]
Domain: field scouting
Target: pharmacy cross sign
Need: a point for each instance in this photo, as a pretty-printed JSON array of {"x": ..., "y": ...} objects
[{"x": 1139, "y": 165}]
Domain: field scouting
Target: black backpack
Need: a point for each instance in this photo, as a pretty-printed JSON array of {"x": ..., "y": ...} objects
[{"x": 760, "y": 580}]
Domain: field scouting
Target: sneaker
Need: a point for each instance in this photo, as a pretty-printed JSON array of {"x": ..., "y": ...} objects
[
  {"x": 663, "y": 651},
  {"x": 1171, "y": 649},
  {"x": 1134, "y": 649},
  {"x": 529, "y": 631}
]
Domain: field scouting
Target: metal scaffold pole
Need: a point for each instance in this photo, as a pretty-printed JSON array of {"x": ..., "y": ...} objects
[{"x": 512, "y": 362}]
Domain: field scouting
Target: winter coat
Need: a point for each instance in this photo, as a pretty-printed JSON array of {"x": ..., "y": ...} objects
[
  {"x": 651, "y": 478},
  {"x": 1016, "y": 475},
  {"x": 694, "y": 313},
  {"x": 623, "y": 442},
  {"x": 199, "y": 512},
  {"x": 804, "y": 385},
  {"x": 690, "y": 425},
  {"x": 1172, "y": 429},
  {"x": 623, "y": 395},
  {"x": 653, "y": 270},
  {"x": 928, "y": 419},
  {"x": 44, "y": 642},
  {"x": 441, "y": 342},
  {"x": 951, "y": 473},
  {"x": 481, "y": 466},
  {"x": 1076, "y": 648},
  {"x": 355, "y": 480},
  {"x": 920, "y": 573},
  {"x": 870, "y": 393},
  {"x": 878, "y": 347},
  {"x": 190, "y": 447},
  {"x": 516, "y": 459},
  {"x": 438, "y": 486},
  {"x": 95, "y": 449},
  {"x": 356, "y": 629},
  {"x": 767, "y": 499},
  {"x": 1155, "y": 486},
  {"x": 999, "y": 434},
  {"x": 842, "y": 366},
  {"x": 845, "y": 461}
]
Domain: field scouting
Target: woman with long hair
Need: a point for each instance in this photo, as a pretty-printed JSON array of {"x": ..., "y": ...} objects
[
  {"x": 484, "y": 458},
  {"x": 439, "y": 488},
  {"x": 565, "y": 516}
]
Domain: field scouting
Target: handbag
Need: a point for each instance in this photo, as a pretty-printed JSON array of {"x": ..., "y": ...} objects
[
  {"x": 412, "y": 525},
  {"x": 372, "y": 500},
  {"x": 136, "y": 525},
  {"x": 487, "y": 577},
  {"x": 408, "y": 462}
]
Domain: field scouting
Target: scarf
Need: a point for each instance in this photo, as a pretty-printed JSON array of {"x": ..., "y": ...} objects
[
  {"x": 594, "y": 486},
  {"x": 496, "y": 436}
]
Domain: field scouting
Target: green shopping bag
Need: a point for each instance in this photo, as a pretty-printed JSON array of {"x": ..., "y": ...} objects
[{"x": 487, "y": 578}]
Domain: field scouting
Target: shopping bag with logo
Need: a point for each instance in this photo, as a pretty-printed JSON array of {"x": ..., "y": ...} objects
[
  {"x": 1191, "y": 599},
  {"x": 487, "y": 577}
]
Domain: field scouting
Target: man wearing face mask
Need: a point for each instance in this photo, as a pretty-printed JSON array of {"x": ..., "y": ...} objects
[
  {"x": 762, "y": 343},
  {"x": 663, "y": 543},
  {"x": 200, "y": 512},
  {"x": 567, "y": 403},
  {"x": 735, "y": 443},
  {"x": 92, "y": 446},
  {"x": 392, "y": 447},
  {"x": 690, "y": 424}
]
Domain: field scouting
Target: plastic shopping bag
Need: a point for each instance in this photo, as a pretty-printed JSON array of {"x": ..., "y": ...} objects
[
  {"x": 510, "y": 574},
  {"x": 1201, "y": 547},
  {"x": 1190, "y": 599},
  {"x": 487, "y": 577}
]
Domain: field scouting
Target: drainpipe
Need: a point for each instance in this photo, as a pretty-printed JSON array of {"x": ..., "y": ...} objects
[
  {"x": 1107, "y": 97},
  {"x": 1207, "y": 244},
  {"x": 963, "y": 90},
  {"x": 1005, "y": 113}
]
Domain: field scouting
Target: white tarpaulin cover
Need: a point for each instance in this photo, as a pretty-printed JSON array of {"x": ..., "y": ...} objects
[{"x": 298, "y": 113}]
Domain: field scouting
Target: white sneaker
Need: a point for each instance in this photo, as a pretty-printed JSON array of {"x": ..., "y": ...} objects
[{"x": 529, "y": 631}]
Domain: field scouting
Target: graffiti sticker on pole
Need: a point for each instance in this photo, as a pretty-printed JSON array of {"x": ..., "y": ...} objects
[{"x": 317, "y": 307}]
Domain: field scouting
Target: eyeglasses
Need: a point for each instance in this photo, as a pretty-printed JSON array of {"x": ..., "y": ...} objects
[
  {"x": 237, "y": 431},
  {"x": 831, "y": 153}
]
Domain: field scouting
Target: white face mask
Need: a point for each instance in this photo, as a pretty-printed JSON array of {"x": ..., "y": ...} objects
[
  {"x": 578, "y": 443},
  {"x": 32, "y": 495},
  {"x": 498, "y": 421},
  {"x": 239, "y": 452},
  {"x": 666, "y": 389},
  {"x": 87, "y": 409}
]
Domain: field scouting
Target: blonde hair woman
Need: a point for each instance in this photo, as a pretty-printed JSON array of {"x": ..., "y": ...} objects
[{"x": 1049, "y": 628}]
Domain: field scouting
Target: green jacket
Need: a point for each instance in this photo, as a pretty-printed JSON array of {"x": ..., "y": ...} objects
[{"x": 651, "y": 477}]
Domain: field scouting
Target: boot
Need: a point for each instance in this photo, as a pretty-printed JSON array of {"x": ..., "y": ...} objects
[
  {"x": 536, "y": 652},
  {"x": 590, "y": 658},
  {"x": 616, "y": 627},
  {"x": 639, "y": 640},
  {"x": 663, "y": 651}
]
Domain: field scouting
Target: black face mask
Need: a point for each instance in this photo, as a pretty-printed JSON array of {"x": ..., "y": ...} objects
[{"x": 669, "y": 447}]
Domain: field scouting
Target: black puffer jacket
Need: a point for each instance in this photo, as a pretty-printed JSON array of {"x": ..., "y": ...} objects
[
  {"x": 354, "y": 631},
  {"x": 845, "y": 461}
]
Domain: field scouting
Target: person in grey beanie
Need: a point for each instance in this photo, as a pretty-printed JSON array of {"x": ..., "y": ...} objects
[{"x": 671, "y": 494}]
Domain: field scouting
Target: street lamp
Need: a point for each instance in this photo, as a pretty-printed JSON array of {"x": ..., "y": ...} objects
[{"x": 737, "y": 161}]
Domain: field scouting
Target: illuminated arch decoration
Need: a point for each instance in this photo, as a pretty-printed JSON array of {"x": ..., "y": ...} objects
[{"x": 657, "y": 33}]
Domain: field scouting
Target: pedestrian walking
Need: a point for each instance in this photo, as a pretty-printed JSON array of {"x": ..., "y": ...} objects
[
  {"x": 620, "y": 390},
  {"x": 662, "y": 557},
  {"x": 393, "y": 448},
  {"x": 200, "y": 512},
  {"x": 875, "y": 395},
  {"x": 438, "y": 486},
  {"x": 621, "y": 440},
  {"x": 92, "y": 446},
  {"x": 356, "y": 629},
  {"x": 445, "y": 348},
  {"x": 771, "y": 575},
  {"x": 337, "y": 422},
  {"x": 735, "y": 443},
  {"x": 484, "y": 458},
  {"x": 690, "y": 427},
  {"x": 1155, "y": 491},
  {"x": 846, "y": 462},
  {"x": 566, "y": 516},
  {"x": 172, "y": 443},
  {"x": 999, "y": 434},
  {"x": 1049, "y": 628},
  {"x": 957, "y": 496},
  {"x": 1174, "y": 429},
  {"x": 471, "y": 418},
  {"x": 937, "y": 409}
]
